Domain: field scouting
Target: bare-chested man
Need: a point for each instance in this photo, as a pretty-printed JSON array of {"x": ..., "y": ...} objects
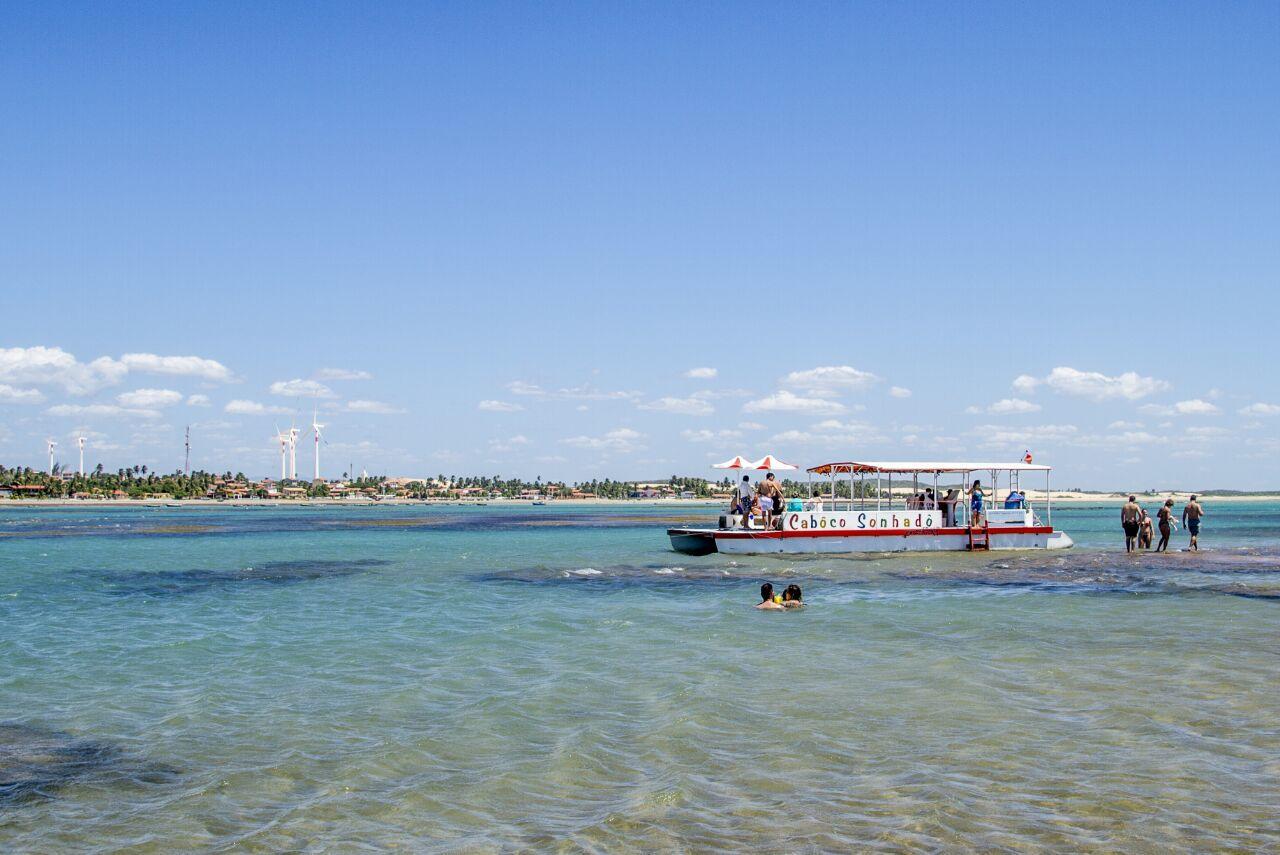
[
  {"x": 1130, "y": 515},
  {"x": 1191, "y": 516}
]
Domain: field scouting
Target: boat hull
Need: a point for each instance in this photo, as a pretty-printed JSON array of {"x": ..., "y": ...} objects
[
  {"x": 739, "y": 542},
  {"x": 692, "y": 541}
]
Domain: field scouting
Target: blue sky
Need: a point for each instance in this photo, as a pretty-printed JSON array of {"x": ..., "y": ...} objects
[{"x": 522, "y": 226}]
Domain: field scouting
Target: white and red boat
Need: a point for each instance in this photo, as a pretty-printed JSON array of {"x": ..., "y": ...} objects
[{"x": 867, "y": 518}]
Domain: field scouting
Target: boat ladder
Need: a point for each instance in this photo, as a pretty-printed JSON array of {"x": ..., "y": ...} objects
[{"x": 982, "y": 541}]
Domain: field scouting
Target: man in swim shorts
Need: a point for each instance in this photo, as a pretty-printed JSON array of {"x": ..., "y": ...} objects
[
  {"x": 1191, "y": 516},
  {"x": 770, "y": 499},
  {"x": 743, "y": 500},
  {"x": 1130, "y": 516}
]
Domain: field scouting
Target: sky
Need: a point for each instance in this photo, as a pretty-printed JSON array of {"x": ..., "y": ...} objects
[{"x": 578, "y": 240}]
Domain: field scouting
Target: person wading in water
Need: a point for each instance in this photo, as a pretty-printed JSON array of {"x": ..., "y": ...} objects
[
  {"x": 1164, "y": 516},
  {"x": 1191, "y": 516},
  {"x": 1129, "y": 517}
]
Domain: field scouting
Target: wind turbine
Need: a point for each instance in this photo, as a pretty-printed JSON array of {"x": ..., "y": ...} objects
[
  {"x": 315, "y": 426},
  {"x": 186, "y": 460},
  {"x": 52, "y": 445},
  {"x": 293, "y": 452},
  {"x": 80, "y": 442},
  {"x": 283, "y": 439}
]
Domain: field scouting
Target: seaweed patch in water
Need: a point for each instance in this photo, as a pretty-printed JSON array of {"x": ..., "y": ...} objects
[
  {"x": 36, "y": 761},
  {"x": 1118, "y": 572},
  {"x": 166, "y": 583}
]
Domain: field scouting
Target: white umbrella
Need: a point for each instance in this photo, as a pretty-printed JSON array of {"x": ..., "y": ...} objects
[
  {"x": 772, "y": 463},
  {"x": 736, "y": 462}
]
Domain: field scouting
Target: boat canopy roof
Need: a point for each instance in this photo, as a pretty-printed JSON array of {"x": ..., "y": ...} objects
[{"x": 898, "y": 466}]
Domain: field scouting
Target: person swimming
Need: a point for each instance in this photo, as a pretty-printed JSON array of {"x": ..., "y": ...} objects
[
  {"x": 767, "y": 599},
  {"x": 792, "y": 598}
]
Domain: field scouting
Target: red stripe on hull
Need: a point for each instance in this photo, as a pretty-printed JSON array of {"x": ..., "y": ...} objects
[{"x": 879, "y": 532}]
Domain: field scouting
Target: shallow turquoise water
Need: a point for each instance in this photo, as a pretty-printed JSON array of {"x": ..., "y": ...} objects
[{"x": 489, "y": 678}]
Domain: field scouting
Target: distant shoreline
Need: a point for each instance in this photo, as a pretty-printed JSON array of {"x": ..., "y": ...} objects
[{"x": 1065, "y": 498}]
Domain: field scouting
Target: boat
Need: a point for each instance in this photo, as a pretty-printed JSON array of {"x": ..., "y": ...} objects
[{"x": 855, "y": 516}]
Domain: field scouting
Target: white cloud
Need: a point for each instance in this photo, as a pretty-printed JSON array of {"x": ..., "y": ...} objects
[
  {"x": 519, "y": 387},
  {"x": 829, "y": 432},
  {"x": 899, "y": 392},
  {"x": 504, "y": 445},
  {"x": 1260, "y": 409},
  {"x": 1195, "y": 407},
  {"x": 491, "y": 406},
  {"x": 14, "y": 395},
  {"x": 1028, "y": 437},
  {"x": 299, "y": 388},
  {"x": 1123, "y": 439},
  {"x": 1202, "y": 434},
  {"x": 621, "y": 440},
  {"x": 241, "y": 407},
  {"x": 185, "y": 366},
  {"x": 1123, "y": 425},
  {"x": 56, "y": 366},
  {"x": 106, "y": 410},
  {"x": 372, "y": 407},
  {"x": 1100, "y": 387},
  {"x": 704, "y": 435},
  {"x": 342, "y": 374},
  {"x": 692, "y": 406},
  {"x": 750, "y": 426},
  {"x": 701, "y": 373},
  {"x": 585, "y": 392},
  {"x": 787, "y": 402},
  {"x": 1008, "y": 406},
  {"x": 830, "y": 379},
  {"x": 197, "y": 400},
  {"x": 1025, "y": 383},
  {"x": 149, "y": 398}
]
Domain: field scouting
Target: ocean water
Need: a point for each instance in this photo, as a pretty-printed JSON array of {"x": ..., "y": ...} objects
[{"x": 556, "y": 679}]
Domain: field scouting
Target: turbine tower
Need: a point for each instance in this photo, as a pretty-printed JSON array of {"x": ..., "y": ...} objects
[
  {"x": 293, "y": 452},
  {"x": 52, "y": 445},
  {"x": 283, "y": 439},
  {"x": 315, "y": 426},
  {"x": 186, "y": 461},
  {"x": 80, "y": 442}
]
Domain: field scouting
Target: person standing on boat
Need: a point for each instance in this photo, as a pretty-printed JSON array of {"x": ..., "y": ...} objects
[
  {"x": 770, "y": 499},
  {"x": 975, "y": 503},
  {"x": 1164, "y": 517},
  {"x": 1191, "y": 516},
  {"x": 743, "y": 500},
  {"x": 1130, "y": 516}
]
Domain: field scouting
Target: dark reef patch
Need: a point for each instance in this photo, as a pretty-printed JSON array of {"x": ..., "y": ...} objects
[
  {"x": 169, "y": 583},
  {"x": 35, "y": 762}
]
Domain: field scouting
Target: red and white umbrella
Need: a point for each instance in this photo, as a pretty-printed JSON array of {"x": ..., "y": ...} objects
[
  {"x": 736, "y": 462},
  {"x": 772, "y": 463}
]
